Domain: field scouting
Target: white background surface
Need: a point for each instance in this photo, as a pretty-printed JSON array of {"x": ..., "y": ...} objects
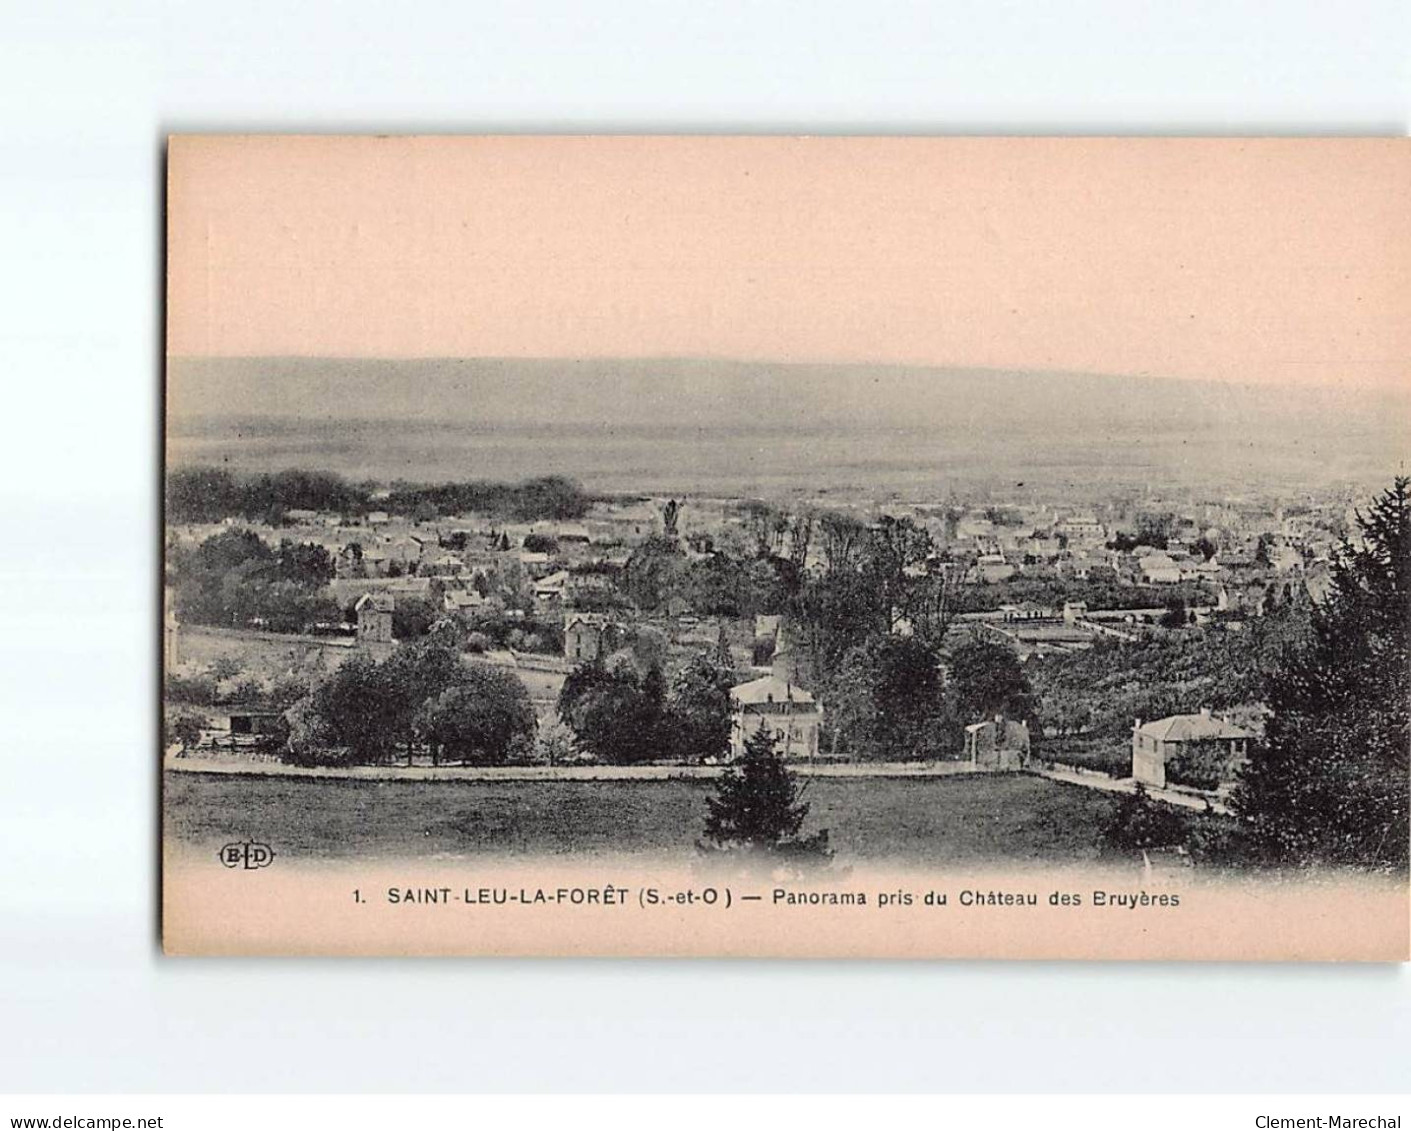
[{"x": 86, "y": 95}]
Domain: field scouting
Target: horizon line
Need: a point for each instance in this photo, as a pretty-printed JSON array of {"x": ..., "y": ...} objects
[{"x": 1400, "y": 390}]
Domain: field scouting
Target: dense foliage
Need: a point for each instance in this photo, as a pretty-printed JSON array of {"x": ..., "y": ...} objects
[
  {"x": 235, "y": 579},
  {"x": 1102, "y": 689},
  {"x": 1137, "y": 822},
  {"x": 211, "y": 494},
  {"x": 874, "y": 581},
  {"x": 616, "y": 713},
  {"x": 988, "y": 680},
  {"x": 1330, "y": 782},
  {"x": 423, "y": 696},
  {"x": 886, "y": 702},
  {"x": 1097, "y": 593},
  {"x": 479, "y": 719},
  {"x": 622, "y": 712},
  {"x": 495, "y": 628},
  {"x": 182, "y": 729},
  {"x": 1202, "y": 764},
  {"x": 698, "y": 710},
  {"x": 208, "y": 494}
]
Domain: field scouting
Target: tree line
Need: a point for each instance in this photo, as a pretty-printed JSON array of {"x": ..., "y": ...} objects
[
  {"x": 235, "y": 579},
  {"x": 620, "y": 713},
  {"x": 1098, "y": 691},
  {"x": 211, "y": 494},
  {"x": 424, "y": 698}
]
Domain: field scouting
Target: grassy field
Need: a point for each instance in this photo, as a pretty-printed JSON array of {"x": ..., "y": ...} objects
[{"x": 1004, "y": 818}]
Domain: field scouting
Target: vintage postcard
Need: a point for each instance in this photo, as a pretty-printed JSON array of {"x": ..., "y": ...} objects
[{"x": 789, "y": 547}]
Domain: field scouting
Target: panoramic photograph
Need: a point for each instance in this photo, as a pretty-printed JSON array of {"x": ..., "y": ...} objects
[{"x": 818, "y": 523}]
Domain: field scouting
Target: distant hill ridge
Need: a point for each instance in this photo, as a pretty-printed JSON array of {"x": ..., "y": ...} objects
[{"x": 719, "y": 393}]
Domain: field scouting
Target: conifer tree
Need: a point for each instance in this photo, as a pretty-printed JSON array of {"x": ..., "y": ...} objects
[
  {"x": 1329, "y": 783},
  {"x": 756, "y": 807}
]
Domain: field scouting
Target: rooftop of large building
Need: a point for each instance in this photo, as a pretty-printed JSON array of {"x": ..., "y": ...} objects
[
  {"x": 1191, "y": 728},
  {"x": 769, "y": 689}
]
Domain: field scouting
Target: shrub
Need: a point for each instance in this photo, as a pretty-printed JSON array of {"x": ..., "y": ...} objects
[
  {"x": 1199, "y": 765},
  {"x": 1216, "y": 841},
  {"x": 309, "y": 742},
  {"x": 553, "y": 744},
  {"x": 1105, "y": 755},
  {"x": 198, "y": 690},
  {"x": 317, "y": 756},
  {"x": 183, "y": 729},
  {"x": 1138, "y": 822}
]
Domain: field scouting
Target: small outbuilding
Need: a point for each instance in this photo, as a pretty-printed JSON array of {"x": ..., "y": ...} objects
[
  {"x": 997, "y": 744},
  {"x": 375, "y": 618}
]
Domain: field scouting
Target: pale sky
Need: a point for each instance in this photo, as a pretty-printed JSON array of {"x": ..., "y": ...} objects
[{"x": 1269, "y": 262}]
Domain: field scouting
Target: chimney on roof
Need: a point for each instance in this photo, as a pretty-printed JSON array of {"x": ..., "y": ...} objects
[
  {"x": 1205, "y": 712},
  {"x": 1136, "y": 724}
]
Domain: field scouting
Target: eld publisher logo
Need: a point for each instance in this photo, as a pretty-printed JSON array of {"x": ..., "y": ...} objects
[{"x": 247, "y": 854}]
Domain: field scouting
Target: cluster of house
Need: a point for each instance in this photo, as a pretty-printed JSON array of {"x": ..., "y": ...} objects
[
  {"x": 1237, "y": 551},
  {"x": 771, "y": 698},
  {"x": 1243, "y": 557},
  {"x": 565, "y": 571},
  {"x": 1035, "y": 542},
  {"x": 985, "y": 560},
  {"x": 460, "y": 562}
]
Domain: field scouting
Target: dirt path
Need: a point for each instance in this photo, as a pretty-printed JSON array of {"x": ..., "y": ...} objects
[
  {"x": 843, "y": 770},
  {"x": 551, "y": 773},
  {"x": 1129, "y": 785}
]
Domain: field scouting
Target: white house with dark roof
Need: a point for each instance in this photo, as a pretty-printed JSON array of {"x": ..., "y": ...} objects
[
  {"x": 1155, "y": 743},
  {"x": 778, "y": 704},
  {"x": 786, "y": 710}
]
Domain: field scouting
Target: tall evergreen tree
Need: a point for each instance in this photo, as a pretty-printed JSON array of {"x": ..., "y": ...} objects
[
  {"x": 1329, "y": 784},
  {"x": 756, "y": 807}
]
